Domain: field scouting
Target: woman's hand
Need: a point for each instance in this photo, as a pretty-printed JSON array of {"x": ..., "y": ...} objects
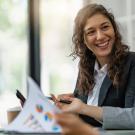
[
  {"x": 63, "y": 96},
  {"x": 75, "y": 107},
  {"x": 72, "y": 125}
]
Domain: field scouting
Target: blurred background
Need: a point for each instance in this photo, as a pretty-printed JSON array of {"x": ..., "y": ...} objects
[{"x": 36, "y": 41}]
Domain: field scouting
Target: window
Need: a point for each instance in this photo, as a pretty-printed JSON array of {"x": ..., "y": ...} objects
[
  {"x": 58, "y": 71},
  {"x": 13, "y": 53}
]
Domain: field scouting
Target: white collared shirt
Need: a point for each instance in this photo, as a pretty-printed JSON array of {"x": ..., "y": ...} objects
[{"x": 99, "y": 75}]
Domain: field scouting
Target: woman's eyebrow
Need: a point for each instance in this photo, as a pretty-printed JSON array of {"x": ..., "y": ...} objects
[
  {"x": 88, "y": 29},
  {"x": 104, "y": 23}
]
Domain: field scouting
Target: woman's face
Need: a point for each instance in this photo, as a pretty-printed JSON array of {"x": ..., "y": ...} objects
[{"x": 99, "y": 35}]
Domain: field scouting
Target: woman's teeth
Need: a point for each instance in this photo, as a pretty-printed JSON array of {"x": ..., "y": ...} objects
[{"x": 103, "y": 44}]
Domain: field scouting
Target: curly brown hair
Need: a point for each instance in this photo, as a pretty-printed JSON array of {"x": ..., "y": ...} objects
[{"x": 86, "y": 82}]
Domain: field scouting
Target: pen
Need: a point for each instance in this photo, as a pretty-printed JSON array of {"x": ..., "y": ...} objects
[
  {"x": 65, "y": 101},
  {"x": 62, "y": 101},
  {"x": 20, "y": 96}
]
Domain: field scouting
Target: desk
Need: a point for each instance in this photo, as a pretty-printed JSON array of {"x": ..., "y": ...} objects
[
  {"x": 29, "y": 134},
  {"x": 121, "y": 132},
  {"x": 114, "y": 132}
]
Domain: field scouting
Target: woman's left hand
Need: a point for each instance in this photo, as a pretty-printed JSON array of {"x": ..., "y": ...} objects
[{"x": 72, "y": 125}]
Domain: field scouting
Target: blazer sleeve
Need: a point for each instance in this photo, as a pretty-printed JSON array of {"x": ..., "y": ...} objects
[
  {"x": 118, "y": 118},
  {"x": 130, "y": 86},
  {"x": 130, "y": 92}
]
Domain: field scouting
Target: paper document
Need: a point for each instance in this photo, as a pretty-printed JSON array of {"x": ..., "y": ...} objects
[{"x": 37, "y": 115}]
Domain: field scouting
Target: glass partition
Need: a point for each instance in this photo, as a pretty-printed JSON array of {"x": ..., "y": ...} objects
[
  {"x": 133, "y": 7},
  {"x": 133, "y": 38},
  {"x": 115, "y": 6},
  {"x": 58, "y": 71},
  {"x": 13, "y": 53}
]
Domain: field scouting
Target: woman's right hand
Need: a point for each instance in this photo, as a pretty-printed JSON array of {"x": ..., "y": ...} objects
[
  {"x": 76, "y": 105},
  {"x": 65, "y": 96}
]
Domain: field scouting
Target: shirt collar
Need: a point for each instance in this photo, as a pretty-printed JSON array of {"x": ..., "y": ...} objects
[{"x": 98, "y": 69}]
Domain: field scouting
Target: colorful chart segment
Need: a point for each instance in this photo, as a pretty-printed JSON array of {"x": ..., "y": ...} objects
[
  {"x": 39, "y": 108},
  {"x": 47, "y": 116}
]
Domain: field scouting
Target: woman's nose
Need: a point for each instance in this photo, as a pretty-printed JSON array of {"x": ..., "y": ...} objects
[{"x": 99, "y": 35}]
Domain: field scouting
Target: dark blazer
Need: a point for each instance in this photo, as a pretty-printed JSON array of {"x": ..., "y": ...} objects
[{"x": 123, "y": 96}]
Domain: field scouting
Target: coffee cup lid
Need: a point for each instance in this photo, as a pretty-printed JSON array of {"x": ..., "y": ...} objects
[{"x": 18, "y": 108}]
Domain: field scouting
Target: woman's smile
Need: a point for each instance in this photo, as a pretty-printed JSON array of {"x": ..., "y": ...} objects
[{"x": 103, "y": 44}]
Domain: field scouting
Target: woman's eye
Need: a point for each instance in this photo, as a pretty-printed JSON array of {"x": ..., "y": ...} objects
[
  {"x": 105, "y": 27},
  {"x": 90, "y": 33}
]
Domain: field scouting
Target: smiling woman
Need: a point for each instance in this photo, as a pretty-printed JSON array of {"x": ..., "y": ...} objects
[
  {"x": 106, "y": 67},
  {"x": 97, "y": 39}
]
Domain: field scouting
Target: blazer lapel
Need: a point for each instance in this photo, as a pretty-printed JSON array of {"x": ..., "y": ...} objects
[
  {"x": 84, "y": 98},
  {"x": 103, "y": 90}
]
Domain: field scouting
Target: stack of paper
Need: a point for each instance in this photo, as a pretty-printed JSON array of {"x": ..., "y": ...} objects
[{"x": 37, "y": 115}]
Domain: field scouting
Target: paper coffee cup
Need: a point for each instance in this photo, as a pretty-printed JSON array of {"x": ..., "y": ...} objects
[{"x": 12, "y": 113}]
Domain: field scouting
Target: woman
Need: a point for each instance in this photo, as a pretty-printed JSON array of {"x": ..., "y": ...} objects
[{"x": 106, "y": 68}]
